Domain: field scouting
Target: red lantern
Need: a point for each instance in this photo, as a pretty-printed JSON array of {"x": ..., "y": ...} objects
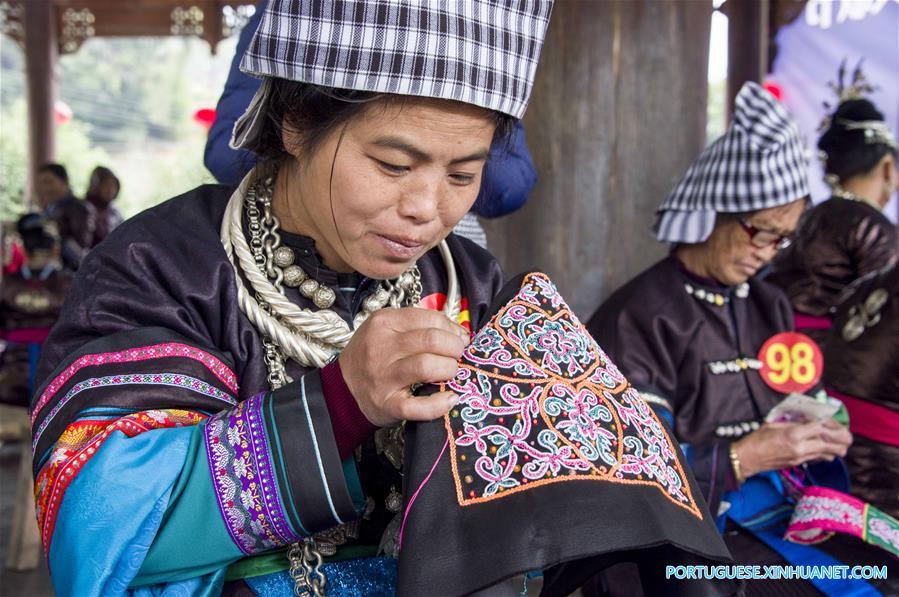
[
  {"x": 62, "y": 113},
  {"x": 775, "y": 90},
  {"x": 204, "y": 117}
]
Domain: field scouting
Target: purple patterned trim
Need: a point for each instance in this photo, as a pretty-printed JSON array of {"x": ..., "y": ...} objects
[
  {"x": 134, "y": 355},
  {"x": 177, "y": 380},
  {"x": 241, "y": 467}
]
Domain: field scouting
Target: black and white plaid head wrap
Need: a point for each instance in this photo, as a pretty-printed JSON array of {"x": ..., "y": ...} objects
[
  {"x": 481, "y": 52},
  {"x": 760, "y": 162}
]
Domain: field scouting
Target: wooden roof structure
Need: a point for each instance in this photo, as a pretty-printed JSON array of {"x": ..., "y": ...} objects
[{"x": 76, "y": 21}]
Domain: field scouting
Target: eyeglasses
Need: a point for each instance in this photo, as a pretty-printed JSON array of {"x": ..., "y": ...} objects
[{"x": 765, "y": 238}]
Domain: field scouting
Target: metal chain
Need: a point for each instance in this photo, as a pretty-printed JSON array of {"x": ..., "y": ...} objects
[
  {"x": 255, "y": 226},
  {"x": 271, "y": 239},
  {"x": 274, "y": 362},
  {"x": 305, "y": 569},
  {"x": 305, "y": 557},
  {"x": 305, "y": 560}
]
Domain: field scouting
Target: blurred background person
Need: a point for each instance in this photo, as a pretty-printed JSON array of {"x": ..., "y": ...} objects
[
  {"x": 52, "y": 186},
  {"x": 31, "y": 300},
  {"x": 847, "y": 236},
  {"x": 72, "y": 217},
  {"x": 103, "y": 189}
]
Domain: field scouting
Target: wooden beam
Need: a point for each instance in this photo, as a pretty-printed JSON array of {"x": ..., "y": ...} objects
[
  {"x": 618, "y": 113},
  {"x": 80, "y": 20},
  {"x": 747, "y": 44},
  {"x": 40, "y": 64}
]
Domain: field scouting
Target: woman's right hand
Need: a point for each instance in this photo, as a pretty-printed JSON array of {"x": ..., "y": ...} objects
[
  {"x": 774, "y": 446},
  {"x": 394, "y": 349}
]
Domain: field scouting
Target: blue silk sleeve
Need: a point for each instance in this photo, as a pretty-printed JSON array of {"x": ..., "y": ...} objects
[{"x": 173, "y": 507}]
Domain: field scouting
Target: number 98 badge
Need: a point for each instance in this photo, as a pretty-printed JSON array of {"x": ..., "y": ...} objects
[{"x": 791, "y": 362}]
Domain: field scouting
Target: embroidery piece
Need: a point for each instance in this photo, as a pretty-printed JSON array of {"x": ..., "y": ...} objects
[
  {"x": 244, "y": 478},
  {"x": 541, "y": 403},
  {"x": 883, "y": 530},
  {"x": 78, "y": 444},
  {"x": 821, "y": 512}
]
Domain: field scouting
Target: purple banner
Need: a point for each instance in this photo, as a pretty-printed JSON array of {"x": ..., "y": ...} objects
[{"x": 810, "y": 51}]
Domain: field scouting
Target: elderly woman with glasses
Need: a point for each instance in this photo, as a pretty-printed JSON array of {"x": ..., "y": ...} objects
[{"x": 688, "y": 331}]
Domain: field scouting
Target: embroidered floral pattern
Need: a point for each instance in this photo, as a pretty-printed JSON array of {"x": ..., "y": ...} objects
[
  {"x": 541, "y": 403},
  {"x": 244, "y": 480},
  {"x": 78, "y": 444},
  {"x": 883, "y": 530},
  {"x": 132, "y": 355},
  {"x": 824, "y": 508},
  {"x": 821, "y": 512},
  {"x": 165, "y": 379}
]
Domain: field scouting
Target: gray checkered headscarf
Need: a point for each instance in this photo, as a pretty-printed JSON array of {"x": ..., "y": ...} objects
[
  {"x": 481, "y": 52},
  {"x": 760, "y": 162}
]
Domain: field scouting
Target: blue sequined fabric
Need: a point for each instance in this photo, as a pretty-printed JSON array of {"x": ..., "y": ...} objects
[{"x": 348, "y": 578}]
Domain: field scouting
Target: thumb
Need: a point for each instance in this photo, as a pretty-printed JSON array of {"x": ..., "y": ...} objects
[{"x": 426, "y": 408}]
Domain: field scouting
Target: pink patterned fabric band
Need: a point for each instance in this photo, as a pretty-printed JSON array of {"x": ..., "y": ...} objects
[{"x": 821, "y": 512}]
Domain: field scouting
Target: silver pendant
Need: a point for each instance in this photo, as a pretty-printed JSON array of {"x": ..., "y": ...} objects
[
  {"x": 308, "y": 288},
  {"x": 284, "y": 256},
  {"x": 376, "y": 300},
  {"x": 324, "y": 297},
  {"x": 294, "y": 276},
  {"x": 394, "y": 501}
]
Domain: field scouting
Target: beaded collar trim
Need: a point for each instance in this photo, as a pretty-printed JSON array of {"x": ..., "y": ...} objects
[{"x": 718, "y": 299}]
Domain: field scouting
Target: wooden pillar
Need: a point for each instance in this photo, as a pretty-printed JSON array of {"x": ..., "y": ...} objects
[
  {"x": 747, "y": 44},
  {"x": 40, "y": 64},
  {"x": 617, "y": 114}
]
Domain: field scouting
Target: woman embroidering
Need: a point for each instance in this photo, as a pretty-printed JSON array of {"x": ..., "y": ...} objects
[{"x": 220, "y": 403}]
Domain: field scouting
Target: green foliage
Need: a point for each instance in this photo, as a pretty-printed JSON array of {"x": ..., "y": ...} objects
[
  {"x": 716, "y": 117},
  {"x": 13, "y": 148},
  {"x": 133, "y": 101}
]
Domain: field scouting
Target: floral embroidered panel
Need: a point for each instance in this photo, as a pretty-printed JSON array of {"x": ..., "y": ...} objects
[{"x": 541, "y": 403}]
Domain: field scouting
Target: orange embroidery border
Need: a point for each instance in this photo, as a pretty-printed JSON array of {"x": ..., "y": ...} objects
[{"x": 573, "y": 385}]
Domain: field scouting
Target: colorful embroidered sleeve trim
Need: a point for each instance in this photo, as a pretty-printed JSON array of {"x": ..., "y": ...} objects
[
  {"x": 162, "y": 379},
  {"x": 244, "y": 478},
  {"x": 541, "y": 403},
  {"x": 275, "y": 467},
  {"x": 132, "y": 355},
  {"x": 78, "y": 444}
]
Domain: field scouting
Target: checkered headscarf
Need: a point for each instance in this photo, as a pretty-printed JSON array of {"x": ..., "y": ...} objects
[
  {"x": 760, "y": 162},
  {"x": 482, "y": 52}
]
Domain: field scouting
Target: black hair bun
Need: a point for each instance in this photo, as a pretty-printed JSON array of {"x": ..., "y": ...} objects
[{"x": 855, "y": 110}]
